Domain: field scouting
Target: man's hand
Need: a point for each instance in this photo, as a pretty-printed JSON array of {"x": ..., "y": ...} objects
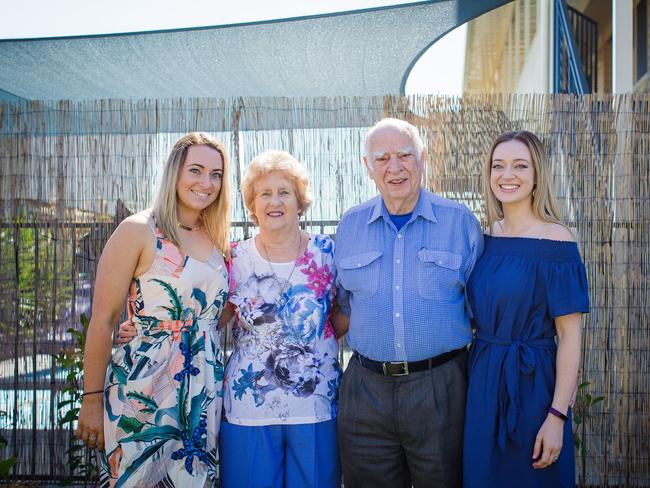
[
  {"x": 126, "y": 333},
  {"x": 340, "y": 321}
]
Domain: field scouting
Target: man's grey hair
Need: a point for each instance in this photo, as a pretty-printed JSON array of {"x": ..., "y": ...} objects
[{"x": 401, "y": 126}]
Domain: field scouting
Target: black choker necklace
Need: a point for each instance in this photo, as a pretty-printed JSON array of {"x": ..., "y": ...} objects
[{"x": 187, "y": 227}]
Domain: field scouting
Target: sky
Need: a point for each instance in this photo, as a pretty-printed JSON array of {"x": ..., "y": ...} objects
[{"x": 54, "y": 18}]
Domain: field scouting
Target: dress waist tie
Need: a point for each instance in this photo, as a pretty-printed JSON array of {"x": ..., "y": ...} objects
[{"x": 519, "y": 358}]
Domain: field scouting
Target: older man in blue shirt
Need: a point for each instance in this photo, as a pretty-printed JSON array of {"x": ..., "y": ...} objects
[{"x": 403, "y": 259}]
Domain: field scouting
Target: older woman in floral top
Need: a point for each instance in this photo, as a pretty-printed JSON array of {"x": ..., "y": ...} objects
[{"x": 281, "y": 382}]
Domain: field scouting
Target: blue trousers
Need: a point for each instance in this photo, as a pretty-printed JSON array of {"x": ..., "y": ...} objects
[{"x": 279, "y": 456}]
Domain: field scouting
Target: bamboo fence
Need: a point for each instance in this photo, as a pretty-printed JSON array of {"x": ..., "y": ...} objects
[{"x": 71, "y": 171}]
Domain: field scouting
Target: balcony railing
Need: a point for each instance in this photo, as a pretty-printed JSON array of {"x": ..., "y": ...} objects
[{"x": 575, "y": 67}]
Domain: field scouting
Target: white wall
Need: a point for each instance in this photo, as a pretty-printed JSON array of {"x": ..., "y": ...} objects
[{"x": 536, "y": 74}]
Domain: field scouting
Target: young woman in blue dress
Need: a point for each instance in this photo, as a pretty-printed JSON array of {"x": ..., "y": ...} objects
[{"x": 527, "y": 292}]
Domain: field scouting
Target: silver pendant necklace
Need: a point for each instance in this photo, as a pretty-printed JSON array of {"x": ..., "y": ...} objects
[{"x": 283, "y": 287}]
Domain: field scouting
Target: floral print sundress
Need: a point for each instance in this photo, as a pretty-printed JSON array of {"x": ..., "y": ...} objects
[
  {"x": 163, "y": 391},
  {"x": 284, "y": 368}
]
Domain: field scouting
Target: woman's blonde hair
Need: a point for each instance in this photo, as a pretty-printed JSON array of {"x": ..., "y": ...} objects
[
  {"x": 544, "y": 204},
  {"x": 216, "y": 217},
  {"x": 287, "y": 166}
]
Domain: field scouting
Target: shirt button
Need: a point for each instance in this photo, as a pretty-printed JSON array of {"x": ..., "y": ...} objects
[
  {"x": 397, "y": 261},
  {"x": 397, "y": 314},
  {"x": 439, "y": 262},
  {"x": 399, "y": 236},
  {"x": 398, "y": 345},
  {"x": 359, "y": 265},
  {"x": 397, "y": 287}
]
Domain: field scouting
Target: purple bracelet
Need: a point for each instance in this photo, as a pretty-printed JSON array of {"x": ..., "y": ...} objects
[{"x": 557, "y": 413}]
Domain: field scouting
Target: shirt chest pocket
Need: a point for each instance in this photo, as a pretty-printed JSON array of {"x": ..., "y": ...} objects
[
  {"x": 439, "y": 274},
  {"x": 359, "y": 274}
]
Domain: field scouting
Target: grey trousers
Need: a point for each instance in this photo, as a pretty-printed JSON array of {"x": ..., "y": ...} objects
[{"x": 402, "y": 431}]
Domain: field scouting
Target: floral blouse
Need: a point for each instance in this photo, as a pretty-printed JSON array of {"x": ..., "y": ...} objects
[{"x": 284, "y": 368}]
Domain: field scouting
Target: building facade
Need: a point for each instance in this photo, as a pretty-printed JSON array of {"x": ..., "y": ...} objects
[{"x": 519, "y": 48}]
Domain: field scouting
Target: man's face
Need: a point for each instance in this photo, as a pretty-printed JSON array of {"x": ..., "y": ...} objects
[{"x": 395, "y": 168}]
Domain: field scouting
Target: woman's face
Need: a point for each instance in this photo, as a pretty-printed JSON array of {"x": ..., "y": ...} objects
[
  {"x": 512, "y": 174},
  {"x": 276, "y": 203},
  {"x": 199, "y": 181}
]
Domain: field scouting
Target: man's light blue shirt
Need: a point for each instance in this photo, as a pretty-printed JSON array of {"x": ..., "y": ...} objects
[{"x": 405, "y": 290}]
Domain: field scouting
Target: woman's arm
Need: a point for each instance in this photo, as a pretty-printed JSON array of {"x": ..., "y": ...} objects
[
  {"x": 127, "y": 330},
  {"x": 115, "y": 270},
  {"x": 567, "y": 362}
]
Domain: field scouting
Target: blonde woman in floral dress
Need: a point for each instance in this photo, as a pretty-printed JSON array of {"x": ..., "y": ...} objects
[{"x": 154, "y": 406}]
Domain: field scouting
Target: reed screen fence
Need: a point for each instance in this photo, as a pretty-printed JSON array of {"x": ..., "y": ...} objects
[{"x": 71, "y": 171}]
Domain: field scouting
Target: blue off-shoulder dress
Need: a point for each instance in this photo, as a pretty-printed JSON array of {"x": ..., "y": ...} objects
[{"x": 516, "y": 290}]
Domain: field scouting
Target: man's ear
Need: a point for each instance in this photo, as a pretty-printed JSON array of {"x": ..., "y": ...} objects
[{"x": 369, "y": 167}]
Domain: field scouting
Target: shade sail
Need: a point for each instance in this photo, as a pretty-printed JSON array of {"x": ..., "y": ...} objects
[{"x": 364, "y": 52}]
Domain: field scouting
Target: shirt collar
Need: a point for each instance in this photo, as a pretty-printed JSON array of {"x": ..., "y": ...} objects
[{"x": 423, "y": 208}]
